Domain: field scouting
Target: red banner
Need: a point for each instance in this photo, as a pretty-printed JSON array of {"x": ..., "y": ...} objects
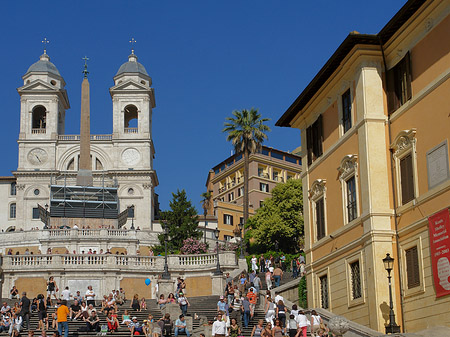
[{"x": 439, "y": 227}]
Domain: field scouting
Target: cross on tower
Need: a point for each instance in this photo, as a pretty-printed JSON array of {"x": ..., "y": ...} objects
[
  {"x": 44, "y": 43},
  {"x": 132, "y": 41},
  {"x": 85, "y": 71}
]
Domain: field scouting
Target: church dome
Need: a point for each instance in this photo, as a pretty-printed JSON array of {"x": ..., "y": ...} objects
[
  {"x": 44, "y": 66},
  {"x": 132, "y": 66}
]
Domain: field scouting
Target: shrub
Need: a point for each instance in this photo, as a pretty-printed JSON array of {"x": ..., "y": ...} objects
[{"x": 193, "y": 246}]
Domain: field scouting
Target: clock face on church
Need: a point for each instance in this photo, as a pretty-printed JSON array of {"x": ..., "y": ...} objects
[
  {"x": 37, "y": 156},
  {"x": 131, "y": 156}
]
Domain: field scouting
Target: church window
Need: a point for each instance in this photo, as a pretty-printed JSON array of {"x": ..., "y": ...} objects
[
  {"x": 131, "y": 119},
  {"x": 53, "y": 82},
  {"x": 12, "y": 210},
  {"x": 13, "y": 190},
  {"x": 98, "y": 164},
  {"x": 130, "y": 191},
  {"x": 39, "y": 118},
  {"x": 36, "y": 192},
  {"x": 35, "y": 213},
  {"x": 71, "y": 165}
]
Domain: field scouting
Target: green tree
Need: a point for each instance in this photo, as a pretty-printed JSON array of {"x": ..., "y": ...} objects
[
  {"x": 278, "y": 224},
  {"x": 182, "y": 221},
  {"x": 246, "y": 131}
]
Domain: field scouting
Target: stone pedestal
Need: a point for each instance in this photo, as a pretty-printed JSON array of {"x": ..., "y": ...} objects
[
  {"x": 165, "y": 287},
  {"x": 218, "y": 284},
  {"x": 338, "y": 325},
  {"x": 173, "y": 310}
]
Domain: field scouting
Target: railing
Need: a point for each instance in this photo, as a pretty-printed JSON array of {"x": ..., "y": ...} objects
[
  {"x": 38, "y": 131},
  {"x": 130, "y": 130},
  {"x": 58, "y": 233},
  {"x": 77, "y": 137},
  {"x": 75, "y": 262}
]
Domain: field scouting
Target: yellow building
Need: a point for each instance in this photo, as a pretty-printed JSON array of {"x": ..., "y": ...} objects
[
  {"x": 375, "y": 123},
  {"x": 226, "y": 181}
]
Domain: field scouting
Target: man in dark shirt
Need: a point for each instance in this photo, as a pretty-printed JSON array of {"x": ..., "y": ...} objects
[
  {"x": 75, "y": 310},
  {"x": 25, "y": 310}
]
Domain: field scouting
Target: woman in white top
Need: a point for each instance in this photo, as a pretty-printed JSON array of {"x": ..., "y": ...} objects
[
  {"x": 254, "y": 261},
  {"x": 315, "y": 323},
  {"x": 302, "y": 322},
  {"x": 270, "y": 310},
  {"x": 269, "y": 279}
]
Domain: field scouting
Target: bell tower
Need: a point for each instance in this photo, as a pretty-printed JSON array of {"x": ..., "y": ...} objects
[
  {"x": 133, "y": 101},
  {"x": 43, "y": 100}
]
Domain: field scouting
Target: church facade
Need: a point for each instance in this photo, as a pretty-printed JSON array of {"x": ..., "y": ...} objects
[{"x": 48, "y": 156}]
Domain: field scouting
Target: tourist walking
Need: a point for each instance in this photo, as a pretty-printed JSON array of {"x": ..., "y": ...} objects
[
  {"x": 257, "y": 284},
  {"x": 278, "y": 329},
  {"x": 42, "y": 312},
  {"x": 277, "y": 276},
  {"x": 25, "y": 304},
  {"x": 267, "y": 332},
  {"x": 292, "y": 326},
  {"x": 268, "y": 279},
  {"x": 316, "y": 320},
  {"x": 61, "y": 314},
  {"x": 262, "y": 264},
  {"x": 254, "y": 262},
  {"x": 234, "y": 330},
  {"x": 303, "y": 323},
  {"x": 52, "y": 289},
  {"x": 257, "y": 329},
  {"x": 219, "y": 327},
  {"x": 270, "y": 310},
  {"x": 281, "y": 312},
  {"x": 184, "y": 303}
]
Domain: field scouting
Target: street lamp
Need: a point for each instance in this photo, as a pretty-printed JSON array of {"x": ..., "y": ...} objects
[
  {"x": 47, "y": 223},
  {"x": 165, "y": 275},
  {"x": 216, "y": 234},
  {"x": 392, "y": 327},
  {"x": 241, "y": 227},
  {"x": 132, "y": 218}
]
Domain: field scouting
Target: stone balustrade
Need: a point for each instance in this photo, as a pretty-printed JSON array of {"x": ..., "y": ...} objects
[{"x": 109, "y": 262}]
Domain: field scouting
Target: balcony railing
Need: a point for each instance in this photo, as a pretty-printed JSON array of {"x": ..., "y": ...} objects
[
  {"x": 77, "y": 137},
  {"x": 38, "y": 131},
  {"x": 130, "y": 130},
  {"x": 76, "y": 262}
]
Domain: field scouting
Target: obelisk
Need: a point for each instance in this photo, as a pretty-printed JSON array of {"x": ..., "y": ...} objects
[{"x": 84, "y": 176}]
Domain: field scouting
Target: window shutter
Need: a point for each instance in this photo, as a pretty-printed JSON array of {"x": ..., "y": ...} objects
[
  {"x": 408, "y": 75},
  {"x": 224, "y": 219},
  {"x": 309, "y": 144},
  {"x": 320, "y": 220},
  {"x": 320, "y": 135},
  {"x": 231, "y": 220},
  {"x": 407, "y": 179},
  {"x": 390, "y": 87},
  {"x": 412, "y": 267}
]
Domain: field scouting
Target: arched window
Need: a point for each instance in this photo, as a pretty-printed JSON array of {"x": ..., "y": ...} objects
[
  {"x": 39, "y": 119},
  {"x": 131, "y": 119},
  {"x": 71, "y": 165},
  {"x": 13, "y": 190},
  {"x": 98, "y": 165},
  {"x": 12, "y": 210}
]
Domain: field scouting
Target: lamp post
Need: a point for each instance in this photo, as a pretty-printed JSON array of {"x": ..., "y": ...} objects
[
  {"x": 241, "y": 227},
  {"x": 392, "y": 327},
  {"x": 165, "y": 275},
  {"x": 132, "y": 218},
  {"x": 47, "y": 224},
  {"x": 216, "y": 234}
]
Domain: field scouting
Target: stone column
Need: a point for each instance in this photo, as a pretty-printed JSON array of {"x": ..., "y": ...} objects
[
  {"x": 84, "y": 176},
  {"x": 166, "y": 287},
  {"x": 217, "y": 285}
]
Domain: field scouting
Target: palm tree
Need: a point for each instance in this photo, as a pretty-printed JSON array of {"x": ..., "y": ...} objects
[
  {"x": 246, "y": 131},
  {"x": 206, "y": 203}
]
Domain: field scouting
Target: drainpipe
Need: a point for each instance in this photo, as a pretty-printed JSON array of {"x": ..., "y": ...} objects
[{"x": 394, "y": 197}]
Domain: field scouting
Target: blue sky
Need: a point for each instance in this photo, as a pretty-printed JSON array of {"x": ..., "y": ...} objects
[{"x": 206, "y": 59}]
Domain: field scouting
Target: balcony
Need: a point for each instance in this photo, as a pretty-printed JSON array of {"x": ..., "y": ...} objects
[
  {"x": 38, "y": 131},
  {"x": 130, "y": 130},
  {"x": 77, "y": 137}
]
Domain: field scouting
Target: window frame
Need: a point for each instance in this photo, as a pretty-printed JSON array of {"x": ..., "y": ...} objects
[
  {"x": 348, "y": 169},
  {"x": 404, "y": 246},
  {"x": 314, "y": 140},
  {"x": 404, "y": 145},
  {"x": 266, "y": 187},
  {"x": 319, "y": 275},
  {"x": 316, "y": 193},
  {"x": 10, "y": 209},
  {"x": 351, "y": 300},
  {"x": 13, "y": 188},
  {"x": 342, "y": 111},
  {"x": 399, "y": 76},
  {"x": 33, "y": 210},
  {"x": 227, "y": 216}
]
